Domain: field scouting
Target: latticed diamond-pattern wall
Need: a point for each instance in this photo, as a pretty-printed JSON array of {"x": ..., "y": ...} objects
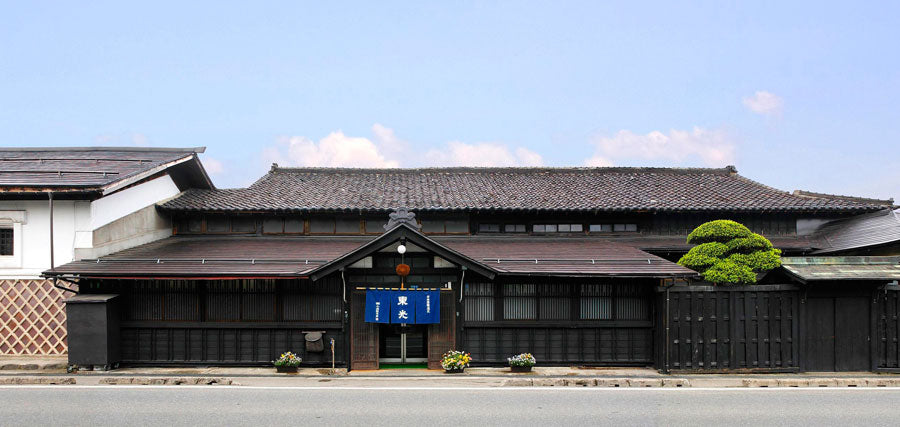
[{"x": 32, "y": 318}]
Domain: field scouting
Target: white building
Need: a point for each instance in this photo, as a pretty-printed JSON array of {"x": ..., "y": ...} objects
[{"x": 62, "y": 204}]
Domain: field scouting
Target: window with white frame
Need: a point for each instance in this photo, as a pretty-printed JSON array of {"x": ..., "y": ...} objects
[
  {"x": 11, "y": 238},
  {"x": 6, "y": 241}
]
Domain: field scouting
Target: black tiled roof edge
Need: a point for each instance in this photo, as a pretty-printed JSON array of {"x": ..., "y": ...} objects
[
  {"x": 505, "y": 169},
  {"x": 110, "y": 148},
  {"x": 883, "y": 202},
  {"x": 623, "y": 189},
  {"x": 75, "y": 167}
]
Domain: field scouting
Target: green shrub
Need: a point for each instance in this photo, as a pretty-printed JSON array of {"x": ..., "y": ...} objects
[
  {"x": 721, "y": 230},
  {"x": 749, "y": 244},
  {"x": 759, "y": 260},
  {"x": 703, "y": 256},
  {"x": 728, "y": 271},
  {"x": 729, "y": 253}
]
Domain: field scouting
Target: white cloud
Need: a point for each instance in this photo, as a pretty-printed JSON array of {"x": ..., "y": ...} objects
[
  {"x": 765, "y": 103},
  {"x": 212, "y": 166},
  {"x": 386, "y": 150},
  {"x": 335, "y": 150},
  {"x": 457, "y": 153},
  {"x": 711, "y": 147},
  {"x": 388, "y": 142},
  {"x": 140, "y": 140}
]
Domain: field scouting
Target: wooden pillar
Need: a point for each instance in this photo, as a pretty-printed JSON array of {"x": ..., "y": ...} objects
[{"x": 442, "y": 336}]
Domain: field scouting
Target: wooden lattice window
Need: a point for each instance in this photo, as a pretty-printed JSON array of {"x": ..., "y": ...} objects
[
  {"x": 6, "y": 241},
  {"x": 479, "y": 302}
]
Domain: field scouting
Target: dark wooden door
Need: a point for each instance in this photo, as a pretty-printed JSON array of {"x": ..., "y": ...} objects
[
  {"x": 837, "y": 334},
  {"x": 851, "y": 335},
  {"x": 819, "y": 351},
  {"x": 442, "y": 336},
  {"x": 363, "y": 336}
]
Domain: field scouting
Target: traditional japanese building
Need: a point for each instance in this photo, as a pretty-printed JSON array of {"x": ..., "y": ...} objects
[
  {"x": 575, "y": 265},
  {"x": 68, "y": 203}
]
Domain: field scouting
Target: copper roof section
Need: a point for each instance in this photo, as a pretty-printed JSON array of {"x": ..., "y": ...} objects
[
  {"x": 578, "y": 257},
  {"x": 257, "y": 256},
  {"x": 218, "y": 255},
  {"x": 855, "y": 268}
]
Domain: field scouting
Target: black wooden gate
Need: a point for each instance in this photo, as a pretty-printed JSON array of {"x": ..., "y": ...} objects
[
  {"x": 722, "y": 328},
  {"x": 836, "y": 333},
  {"x": 887, "y": 329}
]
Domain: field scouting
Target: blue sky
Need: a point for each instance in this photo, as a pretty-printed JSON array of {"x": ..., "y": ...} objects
[{"x": 803, "y": 95}]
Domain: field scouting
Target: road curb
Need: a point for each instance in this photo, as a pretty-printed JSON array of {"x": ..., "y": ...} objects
[
  {"x": 166, "y": 381},
  {"x": 37, "y": 380},
  {"x": 703, "y": 382},
  {"x": 33, "y": 367}
]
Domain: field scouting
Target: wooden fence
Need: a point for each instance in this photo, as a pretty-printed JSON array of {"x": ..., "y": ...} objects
[
  {"x": 719, "y": 328},
  {"x": 32, "y": 318},
  {"x": 887, "y": 329}
]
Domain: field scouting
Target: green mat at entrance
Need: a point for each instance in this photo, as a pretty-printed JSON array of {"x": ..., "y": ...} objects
[{"x": 403, "y": 366}]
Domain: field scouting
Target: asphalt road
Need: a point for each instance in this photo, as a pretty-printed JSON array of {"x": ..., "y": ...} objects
[{"x": 219, "y": 405}]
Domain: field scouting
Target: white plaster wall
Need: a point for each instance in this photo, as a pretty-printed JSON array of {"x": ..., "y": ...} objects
[
  {"x": 71, "y": 219},
  {"x": 121, "y": 220},
  {"x": 117, "y": 205}
]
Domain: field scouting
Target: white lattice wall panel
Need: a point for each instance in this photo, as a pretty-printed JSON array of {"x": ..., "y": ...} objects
[{"x": 32, "y": 318}]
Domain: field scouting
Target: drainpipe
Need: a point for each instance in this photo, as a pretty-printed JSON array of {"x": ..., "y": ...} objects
[
  {"x": 345, "y": 322},
  {"x": 52, "y": 262},
  {"x": 462, "y": 283},
  {"x": 63, "y": 288},
  {"x": 50, "y": 195},
  {"x": 668, "y": 344}
]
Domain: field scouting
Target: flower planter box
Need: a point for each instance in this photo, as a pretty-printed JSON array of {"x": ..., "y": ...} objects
[
  {"x": 286, "y": 369},
  {"x": 454, "y": 370},
  {"x": 520, "y": 368}
]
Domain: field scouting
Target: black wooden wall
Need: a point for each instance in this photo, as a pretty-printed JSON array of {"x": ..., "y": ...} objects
[
  {"x": 226, "y": 322},
  {"x": 226, "y": 344},
  {"x": 560, "y": 321}
]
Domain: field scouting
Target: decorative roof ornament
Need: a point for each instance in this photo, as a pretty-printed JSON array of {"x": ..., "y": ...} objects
[{"x": 402, "y": 216}]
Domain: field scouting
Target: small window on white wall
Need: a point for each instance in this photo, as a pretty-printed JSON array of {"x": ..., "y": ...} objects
[
  {"x": 7, "y": 242},
  {"x": 11, "y": 238}
]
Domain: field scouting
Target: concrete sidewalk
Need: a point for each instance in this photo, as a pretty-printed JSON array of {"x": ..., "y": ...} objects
[
  {"x": 33, "y": 363},
  {"x": 456, "y": 381},
  {"x": 51, "y": 370}
]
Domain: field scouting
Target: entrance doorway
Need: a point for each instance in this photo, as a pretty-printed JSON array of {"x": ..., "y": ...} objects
[
  {"x": 837, "y": 334},
  {"x": 402, "y": 343}
]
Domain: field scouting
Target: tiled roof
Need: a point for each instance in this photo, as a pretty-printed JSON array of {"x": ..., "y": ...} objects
[
  {"x": 217, "y": 256},
  {"x": 81, "y": 168},
  {"x": 508, "y": 189}
]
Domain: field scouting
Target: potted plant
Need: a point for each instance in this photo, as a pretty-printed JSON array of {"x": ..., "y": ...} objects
[
  {"x": 521, "y": 362},
  {"x": 287, "y": 363},
  {"x": 455, "y": 362}
]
